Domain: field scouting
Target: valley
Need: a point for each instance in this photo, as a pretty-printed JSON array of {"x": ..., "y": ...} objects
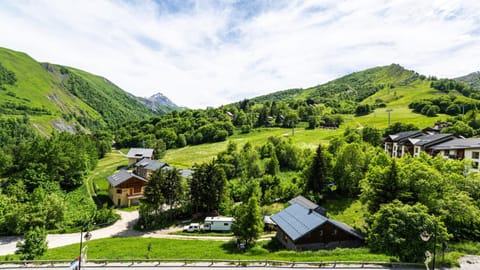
[{"x": 64, "y": 131}]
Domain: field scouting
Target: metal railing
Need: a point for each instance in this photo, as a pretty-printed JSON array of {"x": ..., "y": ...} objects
[{"x": 211, "y": 262}]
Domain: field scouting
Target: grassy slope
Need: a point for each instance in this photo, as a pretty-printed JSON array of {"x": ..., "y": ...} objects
[
  {"x": 38, "y": 88},
  {"x": 187, "y": 156},
  {"x": 35, "y": 87}
]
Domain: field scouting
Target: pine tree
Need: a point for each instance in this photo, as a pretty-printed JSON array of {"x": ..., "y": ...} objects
[{"x": 317, "y": 174}]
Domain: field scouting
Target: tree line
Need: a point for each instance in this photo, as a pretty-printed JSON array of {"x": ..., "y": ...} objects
[
  {"x": 42, "y": 178},
  {"x": 403, "y": 197}
]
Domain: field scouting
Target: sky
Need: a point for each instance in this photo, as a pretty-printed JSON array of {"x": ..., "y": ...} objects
[{"x": 209, "y": 53}]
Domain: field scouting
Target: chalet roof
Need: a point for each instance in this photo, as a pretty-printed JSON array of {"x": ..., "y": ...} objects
[
  {"x": 185, "y": 173},
  {"x": 140, "y": 153},
  {"x": 268, "y": 220},
  {"x": 150, "y": 164},
  {"x": 404, "y": 135},
  {"x": 303, "y": 201},
  {"x": 298, "y": 220},
  {"x": 469, "y": 143},
  {"x": 308, "y": 204},
  {"x": 429, "y": 139},
  {"x": 122, "y": 176}
]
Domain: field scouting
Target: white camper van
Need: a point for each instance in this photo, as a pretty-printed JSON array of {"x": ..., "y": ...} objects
[{"x": 221, "y": 224}]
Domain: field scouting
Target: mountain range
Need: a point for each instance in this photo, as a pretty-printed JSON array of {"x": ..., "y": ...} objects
[{"x": 66, "y": 98}]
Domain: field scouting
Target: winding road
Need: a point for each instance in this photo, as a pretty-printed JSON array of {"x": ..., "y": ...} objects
[{"x": 123, "y": 227}]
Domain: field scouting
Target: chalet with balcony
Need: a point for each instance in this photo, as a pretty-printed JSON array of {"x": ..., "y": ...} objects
[
  {"x": 137, "y": 154},
  {"x": 395, "y": 143},
  {"x": 460, "y": 149},
  {"x": 424, "y": 143},
  {"x": 301, "y": 226},
  {"x": 125, "y": 188},
  {"x": 146, "y": 167}
]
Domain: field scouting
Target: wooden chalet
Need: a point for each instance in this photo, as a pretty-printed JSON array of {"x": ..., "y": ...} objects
[
  {"x": 125, "y": 188},
  {"x": 301, "y": 226}
]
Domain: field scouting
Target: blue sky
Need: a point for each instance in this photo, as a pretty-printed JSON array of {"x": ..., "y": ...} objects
[{"x": 208, "y": 53}]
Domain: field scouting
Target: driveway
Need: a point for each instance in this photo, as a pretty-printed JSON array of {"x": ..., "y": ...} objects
[{"x": 123, "y": 227}]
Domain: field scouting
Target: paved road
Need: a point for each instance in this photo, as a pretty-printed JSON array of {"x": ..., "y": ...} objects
[
  {"x": 123, "y": 227},
  {"x": 150, "y": 266}
]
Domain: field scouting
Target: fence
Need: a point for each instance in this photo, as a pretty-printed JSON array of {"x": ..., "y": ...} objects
[{"x": 208, "y": 263}]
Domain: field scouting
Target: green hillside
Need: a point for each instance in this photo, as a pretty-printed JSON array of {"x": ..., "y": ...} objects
[
  {"x": 345, "y": 92},
  {"x": 60, "y": 97},
  {"x": 472, "y": 79}
]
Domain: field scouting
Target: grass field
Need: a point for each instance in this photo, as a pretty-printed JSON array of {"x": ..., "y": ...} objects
[
  {"x": 97, "y": 180},
  {"x": 136, "y": 248},
  {"x": 305, "y": 138}
]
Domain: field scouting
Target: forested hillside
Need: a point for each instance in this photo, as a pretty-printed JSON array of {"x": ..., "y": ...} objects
[
  {"x": 472, "y": 79},
  {"x": 62, "y": 97},
  {"x": 346, "y": 92},
  {"x": 42, "y": 178}
]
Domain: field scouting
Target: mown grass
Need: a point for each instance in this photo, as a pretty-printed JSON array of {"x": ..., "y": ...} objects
[
  {"x": 347, "y": 210},
  {"x": 98, "y": 177},
  {"x": 186, "y": 157},
  {"x": 137, "y": 248}
]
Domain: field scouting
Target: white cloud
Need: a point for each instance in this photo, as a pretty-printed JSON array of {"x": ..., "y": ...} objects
[{"x": 206, "y": 53}]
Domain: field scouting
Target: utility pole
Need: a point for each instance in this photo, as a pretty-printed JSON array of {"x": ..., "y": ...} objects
[{"x": 389, "y": 111}]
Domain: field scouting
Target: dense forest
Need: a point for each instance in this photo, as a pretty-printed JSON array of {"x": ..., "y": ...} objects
[{"x": 44, "y": 177}]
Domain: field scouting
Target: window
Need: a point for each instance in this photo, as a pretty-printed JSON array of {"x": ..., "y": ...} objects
[
  {"x": 137, "y": 189},
  {"x": 416, "y": 149},
  {"x": 321, "y": 232},
  {"x": 334, "y": 232},
  {"x": 475, "y": 155},
  {"x": 475, "y": 165},
  {"x": 119, "y": 191},
  {"x": 225, "y": 224},
  {"x": 446, "y": 153}
]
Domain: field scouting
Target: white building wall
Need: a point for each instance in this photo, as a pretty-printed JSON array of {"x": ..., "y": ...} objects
[
  {"x": 474, "y": 155},
  {"x": 417, "y": 150}
]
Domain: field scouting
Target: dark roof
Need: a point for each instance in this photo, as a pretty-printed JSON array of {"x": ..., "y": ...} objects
[
  {"x": 303, "y": 201},
  {"x": 468, "y": 143},
  {"x": 297, "y": 220},
  {"x": 150, "y": 164},
  {"x": 404, "y": 135},
  {"x": 308, "y": 204},
  {"x": 122, "y": 176},
  {"x": 428, "y": 139},
  {"x": 140, "y": 153}
]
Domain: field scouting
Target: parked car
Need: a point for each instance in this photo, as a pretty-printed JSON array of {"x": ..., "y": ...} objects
[{"x": 193, "y": 227}]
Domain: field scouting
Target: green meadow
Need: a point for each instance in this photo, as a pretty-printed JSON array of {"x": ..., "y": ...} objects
[{"x": 137, "y": 248}]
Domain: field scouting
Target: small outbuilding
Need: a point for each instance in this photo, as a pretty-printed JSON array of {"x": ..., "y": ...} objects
[{"x": 301, "y": 227}]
